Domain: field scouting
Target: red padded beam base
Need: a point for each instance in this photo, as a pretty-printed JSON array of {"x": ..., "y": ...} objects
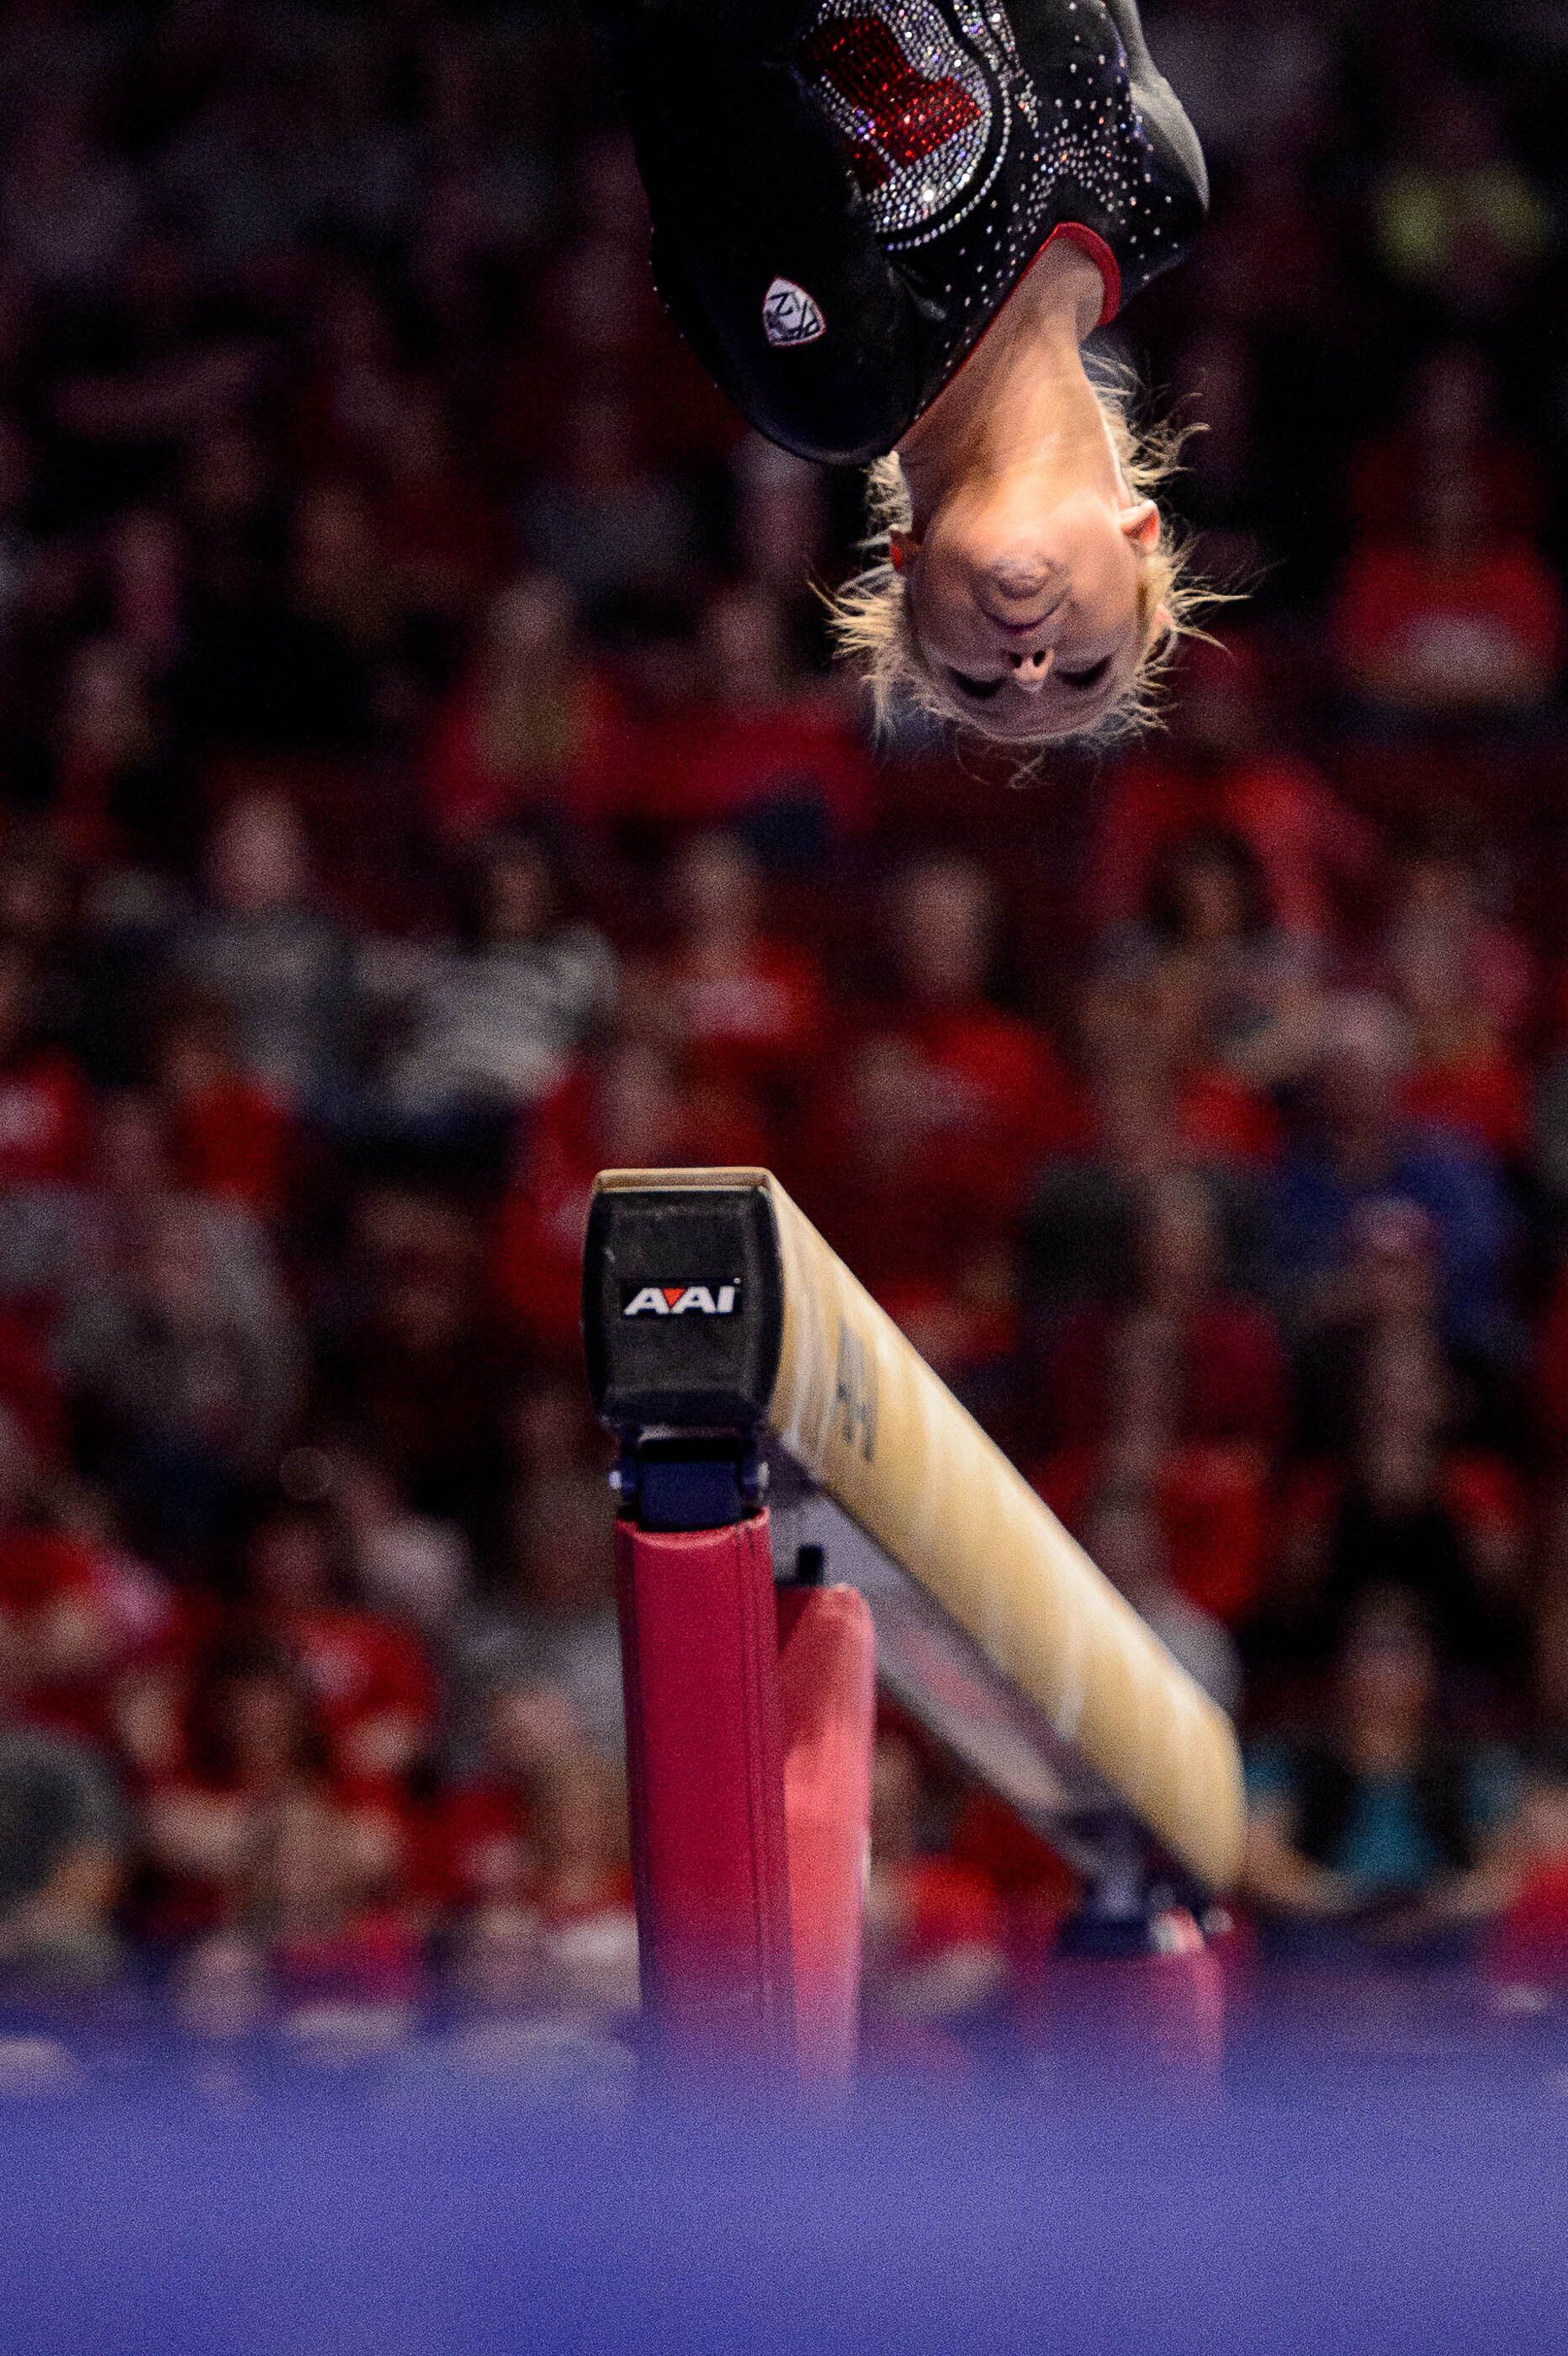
[
  {"x": 827, "y": 1692},
  {"x": 705, "y": 1764}
]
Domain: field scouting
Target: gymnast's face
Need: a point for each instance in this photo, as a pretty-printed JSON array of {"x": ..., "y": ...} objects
[{"x": 1029, "y": 616}]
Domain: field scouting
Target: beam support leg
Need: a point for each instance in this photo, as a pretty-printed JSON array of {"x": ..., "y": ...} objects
[
  {"x": 1135, "y": 1996},
  {"x": 705, "y": 1769},
  {"x": 827, "y": 1692},
  {"x": 751, "y": 1718}
]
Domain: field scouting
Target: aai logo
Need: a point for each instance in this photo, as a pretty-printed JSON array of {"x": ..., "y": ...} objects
[{"x": 681, "y": 1300}]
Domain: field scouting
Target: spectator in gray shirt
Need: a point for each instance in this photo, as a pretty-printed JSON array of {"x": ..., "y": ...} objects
[
  {"x": 553, "y": 1625},
  {"x": 487, "y": 1024},
  {"x": 175, "y": 1339},
  {"x": 266, "y": 949},
  {"x": 60, "y": 1841}
]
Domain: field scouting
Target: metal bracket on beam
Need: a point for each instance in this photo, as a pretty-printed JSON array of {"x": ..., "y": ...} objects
[{"x": 690, "y": 1482}]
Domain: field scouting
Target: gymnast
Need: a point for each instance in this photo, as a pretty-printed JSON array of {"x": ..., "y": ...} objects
[{"x": 888, "y": 228}]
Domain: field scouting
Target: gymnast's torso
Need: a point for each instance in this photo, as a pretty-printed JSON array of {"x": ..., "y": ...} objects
[{"x": 844, "y": 194}]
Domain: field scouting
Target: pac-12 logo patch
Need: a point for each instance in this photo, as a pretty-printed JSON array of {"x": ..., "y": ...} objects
[
  {"x": 679, "y": 1301},
  {"x": 791, "y": 316}
]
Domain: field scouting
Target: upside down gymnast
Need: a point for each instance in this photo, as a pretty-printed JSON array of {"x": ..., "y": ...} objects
[{"x": 888, "y": 228}]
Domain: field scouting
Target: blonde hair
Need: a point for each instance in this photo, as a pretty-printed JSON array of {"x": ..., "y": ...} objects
[{"x": 873, "y": 628}]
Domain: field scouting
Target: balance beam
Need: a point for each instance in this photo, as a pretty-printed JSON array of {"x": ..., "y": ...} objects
[{"x": 738, "y": 1359}]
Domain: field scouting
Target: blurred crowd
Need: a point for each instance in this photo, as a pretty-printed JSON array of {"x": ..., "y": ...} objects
[{"x": 422, "y": 785}]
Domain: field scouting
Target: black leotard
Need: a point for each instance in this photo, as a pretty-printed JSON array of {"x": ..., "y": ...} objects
[{"x": 845, "y": 192}]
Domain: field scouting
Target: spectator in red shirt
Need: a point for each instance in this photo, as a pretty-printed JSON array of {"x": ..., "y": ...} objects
[
  {"x": 532, "y": 728},
  {"x": 919, "y": 1136},
  {"x": 441, "y": 537},
  {"x": 1175, "y": 1401},
  {"x": 1447, "y": 424},
  {"x": 759, "y": 745},
  {"x": 1144, "y": 1121},
  {"x": 749, "y": 1004},
  {"x": 257, "y": 1756},
  {"x": 231, "y": 1138},
  {"x": 1463, "y": 1076},
  {"x": 42, "y": 1099},
  {"x": 368, "y": 1676},
  {"x": 935, "y": 1930},
  {"x": 631, "y": 1107},
  {"x": 477, "y": 1843},
  {"x": 1459, "y": 617},
  {"x": 868, "y": 1170},
  {"x": 1441, "y": 903},
  {"x": 983, "y": 1093},
  {"x": 57, "y": 1639},
  {"x": 259, "y": 1837},
  {"x": 997, "y": 1096},
  {"x": 1527, "y": 1947},
  {"x": 1218, "y": 770}
]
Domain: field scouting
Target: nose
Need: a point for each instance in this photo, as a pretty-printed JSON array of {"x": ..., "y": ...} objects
[
  {"x": 1031, "y": 671},
  {"x": 1023, "y": 581}
]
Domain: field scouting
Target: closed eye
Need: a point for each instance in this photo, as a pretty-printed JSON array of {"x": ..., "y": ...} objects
[
  {"x": 1089, "y": 678},
  {"x": 982, "y": 690}
]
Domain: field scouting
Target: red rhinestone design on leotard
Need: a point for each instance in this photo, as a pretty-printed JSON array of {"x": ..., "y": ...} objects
[{"x": 903, "y": 116}]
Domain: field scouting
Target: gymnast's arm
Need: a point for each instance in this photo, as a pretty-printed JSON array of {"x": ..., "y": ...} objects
[
  {"x": 1164, "y": 116},
  {"x": 748, "y": 184}
]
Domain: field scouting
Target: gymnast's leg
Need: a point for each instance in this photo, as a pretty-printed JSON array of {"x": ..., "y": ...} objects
[{"x": 749, "y": 188}]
